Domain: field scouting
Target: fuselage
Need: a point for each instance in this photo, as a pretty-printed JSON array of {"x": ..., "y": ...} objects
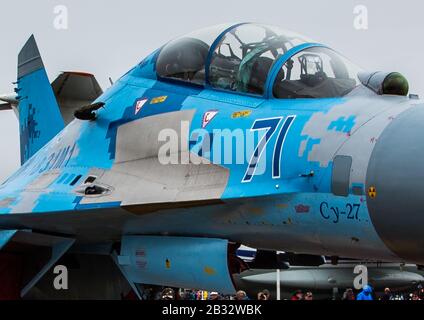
[{"x": 316, "y": 186}]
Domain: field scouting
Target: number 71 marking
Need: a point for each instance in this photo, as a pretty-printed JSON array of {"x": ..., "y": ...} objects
[{"x": 269, "y": 125}]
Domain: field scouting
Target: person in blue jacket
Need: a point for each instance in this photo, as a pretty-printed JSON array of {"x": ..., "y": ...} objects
[{"x": 366, "y": 294}]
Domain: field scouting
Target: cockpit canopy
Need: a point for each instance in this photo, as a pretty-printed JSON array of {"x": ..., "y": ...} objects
[
  {"x": 316, "y": 72},
  {"x": 240, "y": 59}
]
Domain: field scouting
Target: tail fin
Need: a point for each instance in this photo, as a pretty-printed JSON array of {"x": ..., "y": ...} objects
[{"x": 40, "y": 119}]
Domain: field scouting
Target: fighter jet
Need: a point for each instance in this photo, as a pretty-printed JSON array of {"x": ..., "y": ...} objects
[{"x": 233, "y": 134}]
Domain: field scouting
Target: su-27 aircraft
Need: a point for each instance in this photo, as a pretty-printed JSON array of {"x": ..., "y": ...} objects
[{"x": 335, "y": 170}]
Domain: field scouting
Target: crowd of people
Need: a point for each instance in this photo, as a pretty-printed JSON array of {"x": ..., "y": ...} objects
[
  {"x": 349, "y": 295},
  {"x": 215, "y": 296},
  {"x": 368, "y": 294},
  {"x": 171, "y": 294}
]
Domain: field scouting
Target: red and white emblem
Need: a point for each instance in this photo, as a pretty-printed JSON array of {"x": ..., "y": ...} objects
[
  {"x": 208, "y": 117},
  {"x": 140, "y": 104}
]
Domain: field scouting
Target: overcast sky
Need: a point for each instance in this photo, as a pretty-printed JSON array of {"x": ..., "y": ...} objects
[{"x": 108, "y": 37}]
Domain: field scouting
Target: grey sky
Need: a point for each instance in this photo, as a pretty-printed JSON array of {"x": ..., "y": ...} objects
[{"x": 108, "y": 37}]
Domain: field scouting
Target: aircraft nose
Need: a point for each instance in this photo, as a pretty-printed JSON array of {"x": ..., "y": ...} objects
[{"x": 395, "y": 184}]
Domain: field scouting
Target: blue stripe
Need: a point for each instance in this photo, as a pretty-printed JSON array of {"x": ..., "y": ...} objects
[
  {"x": 105, "y": 205},
  {"x": 246, "y": 253},
  {"x": 279, "y": 147},
  {"x": 212, "y": 50},
  {"x": 269, "y": 86}
]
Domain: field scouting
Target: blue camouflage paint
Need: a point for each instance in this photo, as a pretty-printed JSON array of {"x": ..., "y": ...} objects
[
  {"x": 39, "y": 116},
  {"x": 77, "y": 157},
  {"x": 5, "y": 237},
  {"x": 84, "y": 146},
  {"x": 158, "y": 258},
  {"x": 343, "y": 124}
]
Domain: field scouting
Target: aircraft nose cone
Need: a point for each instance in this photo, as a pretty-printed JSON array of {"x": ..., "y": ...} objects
[{"x": 395, "y": 184}]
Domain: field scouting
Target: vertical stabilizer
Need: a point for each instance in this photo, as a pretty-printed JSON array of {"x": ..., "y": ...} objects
[{"x": 40, "y": 119}]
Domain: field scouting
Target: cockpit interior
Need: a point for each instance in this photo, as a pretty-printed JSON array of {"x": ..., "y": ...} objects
[{"x": 250, "y": 58}]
